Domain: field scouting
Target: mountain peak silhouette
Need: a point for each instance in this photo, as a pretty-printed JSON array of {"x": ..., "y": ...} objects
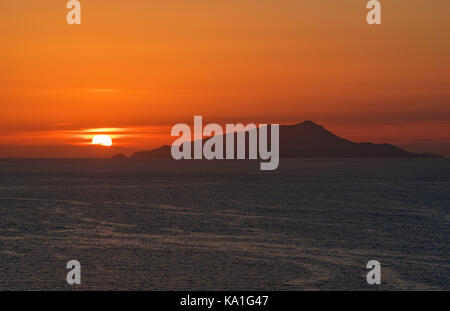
[
  {"x": 309, "y": 123},
  {"x": 120, "y": 156},
  {"x": 311, "y": 140}
]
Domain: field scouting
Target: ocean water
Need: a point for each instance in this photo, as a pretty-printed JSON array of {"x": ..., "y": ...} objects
[{"x": 166, "y": 225}]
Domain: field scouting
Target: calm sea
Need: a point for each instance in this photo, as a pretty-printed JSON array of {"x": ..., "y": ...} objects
[{"x": 166, "y": 225}]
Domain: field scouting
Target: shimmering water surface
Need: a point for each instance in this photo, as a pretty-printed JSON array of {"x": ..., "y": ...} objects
[{"x": 166, "y": 225}]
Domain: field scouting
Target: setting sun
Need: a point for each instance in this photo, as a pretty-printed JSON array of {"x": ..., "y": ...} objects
[{"x": 103, "y": 140}]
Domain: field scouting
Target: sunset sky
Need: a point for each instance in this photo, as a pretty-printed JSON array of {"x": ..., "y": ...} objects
[{"x": 133, "y": 69}]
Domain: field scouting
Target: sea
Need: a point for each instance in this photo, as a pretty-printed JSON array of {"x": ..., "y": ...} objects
[{"x": 156, "y": 225}]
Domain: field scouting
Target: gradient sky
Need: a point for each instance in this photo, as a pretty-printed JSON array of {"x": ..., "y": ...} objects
[{"x": 133, "y": 69}]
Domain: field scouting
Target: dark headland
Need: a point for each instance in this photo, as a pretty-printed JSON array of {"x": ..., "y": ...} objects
[
  {"x": 120, "y": 156},
  {"x": 310, "y": 140}
]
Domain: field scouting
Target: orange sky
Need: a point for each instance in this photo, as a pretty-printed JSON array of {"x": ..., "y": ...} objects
[{"x": 139, "y": 67}]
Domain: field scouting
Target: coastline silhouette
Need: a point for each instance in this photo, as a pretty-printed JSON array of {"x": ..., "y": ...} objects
[{"x": 310, "y": 140}]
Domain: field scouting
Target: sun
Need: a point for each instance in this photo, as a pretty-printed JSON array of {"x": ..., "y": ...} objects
[{"x": 102, "y": 140}]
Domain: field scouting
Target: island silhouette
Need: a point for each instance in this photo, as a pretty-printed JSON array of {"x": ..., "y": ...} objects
[{"x": 310, "y": 140}]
